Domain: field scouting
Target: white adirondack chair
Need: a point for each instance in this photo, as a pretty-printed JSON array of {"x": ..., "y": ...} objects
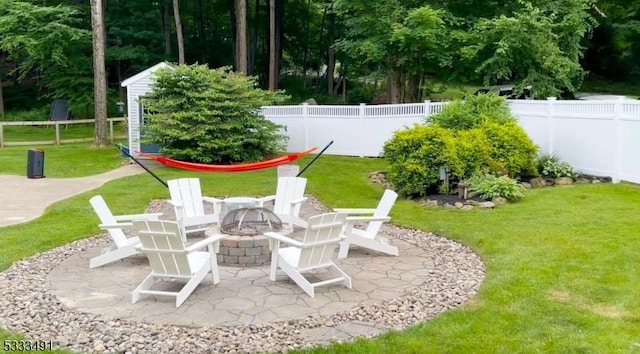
[
  {"x": 123, "y": 246},
  {"x": 162, "y": 242},
  {"x": 314, "y": 252},
  {"x": 188, "y": 203},
  {"x": 288, "y": 200},
  {"x": 368, "y": 238}
]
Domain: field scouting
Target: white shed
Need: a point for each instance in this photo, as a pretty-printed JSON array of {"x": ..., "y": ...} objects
[{"x": 137, "y": 86}]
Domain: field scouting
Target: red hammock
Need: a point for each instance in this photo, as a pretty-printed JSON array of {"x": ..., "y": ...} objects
[{"x": 202, "y": 167}]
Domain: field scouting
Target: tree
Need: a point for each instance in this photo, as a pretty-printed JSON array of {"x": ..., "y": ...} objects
[
  {"x": 273, "y": 84},
  {"x": 99, "y": 74},
  {"x": 179, "y": 37},
  {"x": 209, "y": 116},
  {"x": 38, "y": 38},
  {"x": 537, "y": 46},
  {"x": 241, "y": 36},
  {"x": 408, "y": 44}
]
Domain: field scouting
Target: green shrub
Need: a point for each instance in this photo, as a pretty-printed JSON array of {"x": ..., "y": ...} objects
[
  {"x": 473, "y": 150},
  {"x": 551, "y": 166},
  {"x": 512, "y": 151},
  {"x": 488, "y": 186},
  {"x": 472, "y": 111},
  {"x": 415, "y": 157},
  {"x": 209, "y": 116}
]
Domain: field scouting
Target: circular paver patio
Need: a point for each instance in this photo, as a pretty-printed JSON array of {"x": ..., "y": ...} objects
[{"x": 55, "y": 296}]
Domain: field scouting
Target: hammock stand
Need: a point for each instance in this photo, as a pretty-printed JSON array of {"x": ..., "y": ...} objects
[{"x": 202, "y": 167}]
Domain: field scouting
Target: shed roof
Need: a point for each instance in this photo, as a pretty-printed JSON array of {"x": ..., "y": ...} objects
[{"x": 144, "y": 74}]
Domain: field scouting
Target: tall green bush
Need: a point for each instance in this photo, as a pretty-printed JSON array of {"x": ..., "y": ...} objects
[
  {"x": 477, "y": 135},
  {"x": 512, "y": 151},
  {"x": 472, "y": 111},
  {"x": 211, "y": 116}
]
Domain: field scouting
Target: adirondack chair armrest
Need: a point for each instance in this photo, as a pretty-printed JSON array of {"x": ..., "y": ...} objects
[
  {"x": 299, "y": 200},
  {"x": 352, "y": 219},
  {"x": 115, "y": 226},
  {"x": 174, "y": 203},
  {"x": 281, "y": 238},
  {"x": 204, "y": 243},
  {"x": 149, "y": 216},
  {"x": 354, "y": 210},
  {"x": 212, "y": 200},
  {"x": 263, "y": 200},
  {"x": 217, "y": 204}
]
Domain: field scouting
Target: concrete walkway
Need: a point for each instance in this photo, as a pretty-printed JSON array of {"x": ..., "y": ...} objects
[{"x": 23, "y": 199}]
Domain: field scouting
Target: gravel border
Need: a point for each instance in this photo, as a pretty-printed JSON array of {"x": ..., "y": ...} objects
[{"x": 27, "y": 307}]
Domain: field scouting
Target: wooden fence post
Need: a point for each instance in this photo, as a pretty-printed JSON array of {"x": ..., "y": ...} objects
[{"x": 57, "y": 125}]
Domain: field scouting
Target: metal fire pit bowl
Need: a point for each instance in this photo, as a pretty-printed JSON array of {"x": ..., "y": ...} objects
[{"x": 250, "y": 222}]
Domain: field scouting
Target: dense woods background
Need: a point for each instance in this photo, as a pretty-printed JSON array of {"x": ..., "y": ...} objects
[{"x": 332, "y": 50}]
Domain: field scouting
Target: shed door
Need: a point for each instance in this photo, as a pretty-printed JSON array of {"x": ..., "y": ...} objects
[{"x": 144, "y": 121}]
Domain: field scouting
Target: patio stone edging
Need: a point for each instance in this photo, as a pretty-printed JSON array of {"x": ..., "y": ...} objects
[{"x": 27, "y": 307}]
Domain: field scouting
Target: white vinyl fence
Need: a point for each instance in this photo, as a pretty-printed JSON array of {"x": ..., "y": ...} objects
[{"x": 596, "y": 137}]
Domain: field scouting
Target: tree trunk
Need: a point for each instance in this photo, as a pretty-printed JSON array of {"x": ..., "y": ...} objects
[
  {"x": 202, "y": 34},
  {"x": 176, "y": 16},
  {"x": 99, "y": 74},
  {"x": 1, "y": 94},
  {"x": 241, "y": 36},
  {"x": 306, "y": 47},
  {"x": 331, "y": 57},
  {"x": 279, "y": 38},
  {"x": 253, "y": 41},
  {"x": 272, "y": 45},
  {"x": 166, "y": 28},
  {"x": 324, "y": 17},
  {"x": 394, "y": 90}
]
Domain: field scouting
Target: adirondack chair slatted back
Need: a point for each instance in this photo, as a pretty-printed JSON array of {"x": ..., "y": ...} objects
[
  {"x": 288, "y": 189},
  {"x": 187, "y": 192},
  {"x": 162, "y": 243},
  {"x": 106, "y": 217},
  {"x": 384, "y": 207},
  {"x": 321, "y": 239}
]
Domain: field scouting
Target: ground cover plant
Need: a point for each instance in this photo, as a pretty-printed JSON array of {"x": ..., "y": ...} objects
[{"x": 562, "y": 264}]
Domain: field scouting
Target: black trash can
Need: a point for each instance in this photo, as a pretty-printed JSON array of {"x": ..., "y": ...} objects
[{"x": 35, "y": 163}]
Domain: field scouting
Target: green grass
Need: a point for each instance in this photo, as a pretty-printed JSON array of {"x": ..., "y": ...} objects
[
  {"x": 562, "y": 264},
  {"x": 73, "y": 160}
]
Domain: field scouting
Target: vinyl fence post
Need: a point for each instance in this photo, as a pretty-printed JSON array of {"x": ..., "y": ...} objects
[
  {"x": 619, "y": 134},
  {"x": 427, "y": 110},
  {"x": 305, "y": 122},
  {"x": 551, "y": 122},
  {"x": 363, "y": 139}
]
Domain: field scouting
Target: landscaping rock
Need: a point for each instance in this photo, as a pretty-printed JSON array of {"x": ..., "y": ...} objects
[
  {"x": 500, "y": 200},
  {"x": 487, "y": 205},
  {"x": 538, "y": 182},
  {"x": 563, "y": 181},
  {"x": 459, "y": 205},
  {"x": 526, "y": 185},
  {"x": 430, "y": 202},
  {"x": 467, "y": 207}
]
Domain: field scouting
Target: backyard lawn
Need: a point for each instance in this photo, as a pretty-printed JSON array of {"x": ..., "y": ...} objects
[{"x": 562, "y": 264}]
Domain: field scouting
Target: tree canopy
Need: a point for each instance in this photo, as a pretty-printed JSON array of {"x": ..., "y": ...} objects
[{"x": 549, "y": 45}]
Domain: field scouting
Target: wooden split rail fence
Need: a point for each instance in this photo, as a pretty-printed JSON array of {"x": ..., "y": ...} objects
[{"x": 58, "y": 140}]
